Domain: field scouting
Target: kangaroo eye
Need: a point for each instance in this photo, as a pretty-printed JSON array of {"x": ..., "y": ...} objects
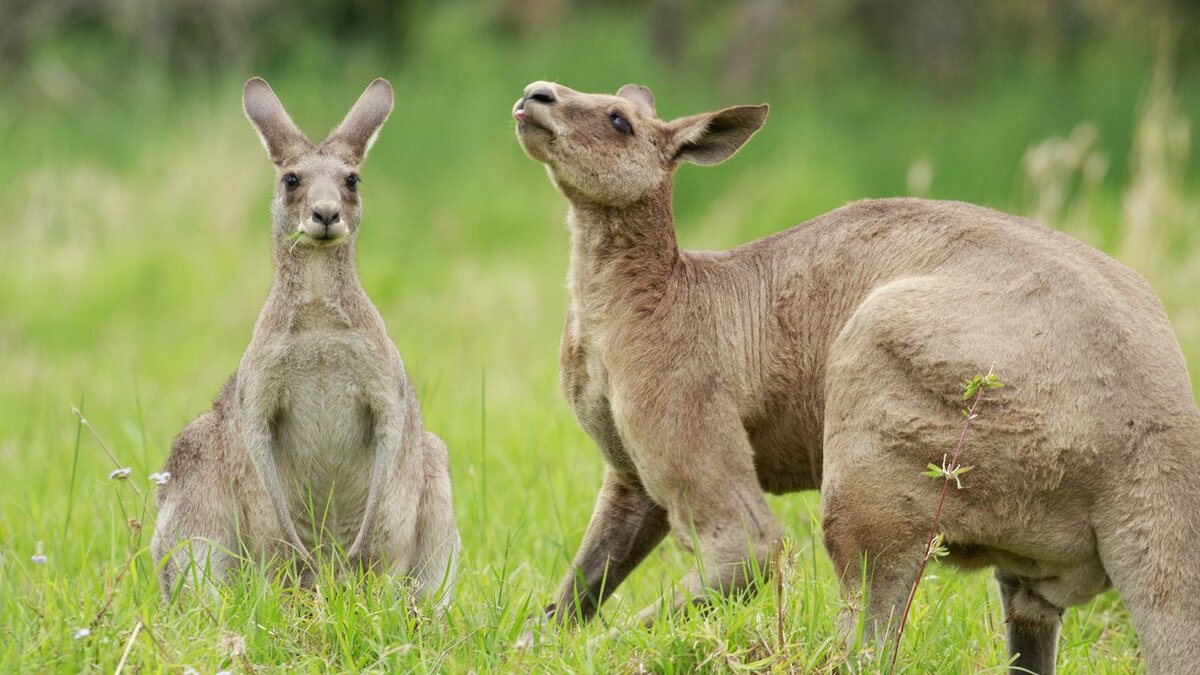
[
  {"x": 621, "y": 124},
  {"x": 291, "y": 181},
  {"x": 352, "y": 182}
]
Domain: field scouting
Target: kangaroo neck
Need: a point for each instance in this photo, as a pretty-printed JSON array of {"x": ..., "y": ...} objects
[
  {"x": 618, "y": 252},
  {"x": 306, "y": 274}
]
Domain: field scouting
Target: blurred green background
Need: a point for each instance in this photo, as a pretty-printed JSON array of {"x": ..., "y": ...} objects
[{"x": 136, "y": 250}]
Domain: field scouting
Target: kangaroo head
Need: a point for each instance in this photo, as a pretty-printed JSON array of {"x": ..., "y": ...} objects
[
  {"x": 612, "y": 150},
  {"x": 316, "y": 197}
]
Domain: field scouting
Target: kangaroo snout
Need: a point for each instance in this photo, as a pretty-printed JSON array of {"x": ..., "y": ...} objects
[
  {"x": 536, "y": 122},
  {"x": 327, "y": 213},
  {"x": 542, "y": 92},
  {"x": 326, "y": 222}
]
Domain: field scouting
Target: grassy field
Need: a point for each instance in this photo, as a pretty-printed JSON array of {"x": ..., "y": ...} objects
[{"x": 136, "y": 255}]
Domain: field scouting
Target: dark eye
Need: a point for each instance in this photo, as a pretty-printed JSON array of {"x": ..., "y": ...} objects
[
  {"x": 621, "y": 124},
  {"x": 291, "y": 181},
  {"x": 352, "y": 182}
]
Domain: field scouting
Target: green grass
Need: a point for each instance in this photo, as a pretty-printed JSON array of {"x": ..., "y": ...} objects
[{"x": 136, "y": 257}]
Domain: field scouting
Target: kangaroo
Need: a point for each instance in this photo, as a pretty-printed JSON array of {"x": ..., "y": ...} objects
[
  {"x": 316, "y": 444},
  {"x": 829, "y": 356}
]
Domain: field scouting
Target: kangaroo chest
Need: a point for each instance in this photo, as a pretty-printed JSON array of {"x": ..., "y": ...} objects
[
  {"x": 324, "y": 431},
  {"x": 778, "y": 432},
  {"x": 585, "y": 383}
]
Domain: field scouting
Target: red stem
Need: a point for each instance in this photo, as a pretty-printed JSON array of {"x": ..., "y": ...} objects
[{"x": 933, "y": 529}]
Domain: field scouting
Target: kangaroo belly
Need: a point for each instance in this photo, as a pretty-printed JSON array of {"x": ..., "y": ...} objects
[{"x": 324, "y": 439}]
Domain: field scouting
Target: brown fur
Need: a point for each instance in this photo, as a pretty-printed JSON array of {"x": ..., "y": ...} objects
[
  {"x": 316, "y": 444},
  {"x": 829, "y": 356}
]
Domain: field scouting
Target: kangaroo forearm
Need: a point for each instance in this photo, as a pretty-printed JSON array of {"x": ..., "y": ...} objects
[
  {"x": 262, "y": 456},
  {"x": 386, "y": 450}
]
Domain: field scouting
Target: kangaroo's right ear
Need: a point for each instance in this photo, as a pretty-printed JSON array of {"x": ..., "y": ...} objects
[
  {"x": 282, "y": 139},
  {"x": 711, "y": 138}
]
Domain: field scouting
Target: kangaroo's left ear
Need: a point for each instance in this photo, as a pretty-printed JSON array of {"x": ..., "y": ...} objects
[
  {"x": 711, "y": 138},
  {"x": 641, "y": 96},
  {"x": 355, "y": 135}
]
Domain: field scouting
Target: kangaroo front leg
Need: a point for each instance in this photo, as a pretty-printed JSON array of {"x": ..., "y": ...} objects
[
  {"x": 626, "y": 525},
  {"x": 255, "y": 417},
  {"x": 390, "y": 421},
  {"x": 733, "y": 543},
  {"x": 716, "y": 507}
]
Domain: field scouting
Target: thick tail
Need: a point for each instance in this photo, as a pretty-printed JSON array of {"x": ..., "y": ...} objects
[{"x": 1148, "y": 531}]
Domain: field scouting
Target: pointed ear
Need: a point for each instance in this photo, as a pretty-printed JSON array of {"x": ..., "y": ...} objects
[
  {"x": 710, "y": 138},
  {"x": 355, "y": 135},
  {"x": 641, "y": 96},
  {"x": 279, "y": 135}
]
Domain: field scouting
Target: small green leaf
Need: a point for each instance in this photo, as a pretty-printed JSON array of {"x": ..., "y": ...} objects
[{"x": 938, "y": 548}]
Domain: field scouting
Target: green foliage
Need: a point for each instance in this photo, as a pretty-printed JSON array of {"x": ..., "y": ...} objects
[
  {"x": 990, "y": 381},
  {"x": 935, "y": 471}
]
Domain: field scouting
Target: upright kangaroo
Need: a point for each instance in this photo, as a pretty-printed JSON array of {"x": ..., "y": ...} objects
[
  {"x": 317, "y": 440},
  {"x": 829, "y": 355}
]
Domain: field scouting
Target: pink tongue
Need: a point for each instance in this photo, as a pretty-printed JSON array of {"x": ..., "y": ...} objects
[{"x": 520, "y": 115}]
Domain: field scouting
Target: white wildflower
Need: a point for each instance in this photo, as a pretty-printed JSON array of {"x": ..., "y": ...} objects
[
  {"x": 39, "y": 558},
  {"x": 82, "y": 633},
  {"x": 120, "y": 474},
  {"x": 160, "y": 478}
]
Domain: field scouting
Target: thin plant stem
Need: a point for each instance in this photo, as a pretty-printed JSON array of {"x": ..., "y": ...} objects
[
  {"x": 933, "y": 529},
  {"x": 779, "y": 598},
  {"x": 103, "y": 446},
  {"x": 74, "y": 467}
]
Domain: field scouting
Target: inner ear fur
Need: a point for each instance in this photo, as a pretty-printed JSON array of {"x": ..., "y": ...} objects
[
  {"x": 710, "y": 138},
  {"x": 358, "y": 131},
  {"x": 280, "y": 136}
]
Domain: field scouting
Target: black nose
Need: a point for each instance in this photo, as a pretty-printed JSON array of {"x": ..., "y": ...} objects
[
  {"x": 326, "y": 216},
  {"x": 541, "y": 94}
]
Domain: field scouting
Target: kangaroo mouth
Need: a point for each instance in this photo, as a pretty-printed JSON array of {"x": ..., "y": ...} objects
[
  {"x": 527, "y": 125},
  {"x": 302, "y": 238},
  {"x": 533, "y": 119}
]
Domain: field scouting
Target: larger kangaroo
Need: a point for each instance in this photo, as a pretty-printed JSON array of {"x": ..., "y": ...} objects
[
  {"x": 829, "y": 355},
  {"x": 317, "y": 440}
]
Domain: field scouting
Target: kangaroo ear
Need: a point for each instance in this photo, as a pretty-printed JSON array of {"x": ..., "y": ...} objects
[
  {"x": 356, "y": 134},
  {"x": 280, "y": 136},
  {"x": 641, "y": 96},
  {"x": 710, "y": 138}
]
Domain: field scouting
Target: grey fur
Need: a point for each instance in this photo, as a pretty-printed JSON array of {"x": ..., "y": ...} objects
[
  {"x": 316, "y": 443},
  {"x": 829, "y": 355}
]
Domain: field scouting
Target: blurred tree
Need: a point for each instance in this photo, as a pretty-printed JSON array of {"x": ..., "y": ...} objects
[
  {"x": 939, "y": 42},
  {"x": 527, "y": 17},
  {"x": 930, "y": 38},
  {"x": 751, "y": 44}
]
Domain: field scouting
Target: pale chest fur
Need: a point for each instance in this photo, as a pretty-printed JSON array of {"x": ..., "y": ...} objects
[
  {"x": 586, "y": 384},
  {"x": 329, "y": 381}
]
